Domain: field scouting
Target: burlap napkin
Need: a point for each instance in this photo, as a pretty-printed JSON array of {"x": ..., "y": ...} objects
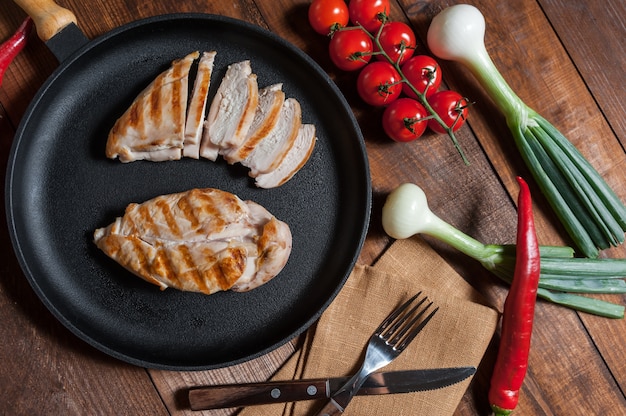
[{"x": 458, "y": 335}]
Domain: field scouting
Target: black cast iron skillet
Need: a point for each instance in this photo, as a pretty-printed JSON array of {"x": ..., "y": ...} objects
[{"x": 60, "y": 187}]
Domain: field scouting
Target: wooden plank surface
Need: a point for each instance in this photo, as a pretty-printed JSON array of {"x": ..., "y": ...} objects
[{"x": 564, "y": 58}]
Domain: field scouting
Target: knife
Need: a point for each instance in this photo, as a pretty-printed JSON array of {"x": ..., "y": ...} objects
[{"x": 239, "y": 395}]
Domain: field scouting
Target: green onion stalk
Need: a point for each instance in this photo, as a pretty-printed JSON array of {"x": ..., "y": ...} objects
[
  {"x": 591, "y": 213},
  {"x": 563, "y": 277}
]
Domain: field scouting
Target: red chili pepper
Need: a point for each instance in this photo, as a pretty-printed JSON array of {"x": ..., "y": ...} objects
[
  {"x": 518, "y": 314},
  {"x": 14, "y": 45}
]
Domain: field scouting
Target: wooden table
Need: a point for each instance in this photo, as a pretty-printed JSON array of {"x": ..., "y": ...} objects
[{"x": 566, "y": 59}]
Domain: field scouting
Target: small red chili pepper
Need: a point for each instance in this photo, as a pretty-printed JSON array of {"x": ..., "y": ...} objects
[
  {"x": 14, "y": 45},
  {"x": 518, "y": 314}
]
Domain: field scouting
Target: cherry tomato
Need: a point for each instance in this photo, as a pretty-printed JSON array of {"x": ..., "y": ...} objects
[
  {"x": 350, "y": 49},
  {"x": 404, "y": 120},
  {"x": 422, "y": 72},
  {"x": 365, "y": 13},
  {"x": 379, "y": 84},
  {"x": 325, "y": 15},
  {"x": 397, "y": 39},
  {"x": 451, "y": 107}
]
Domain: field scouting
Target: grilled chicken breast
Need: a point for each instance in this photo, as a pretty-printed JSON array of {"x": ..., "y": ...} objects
[
  {"x": 261, "y": 129},
  {"x": 202, "y": 240},
  {"x": 153, "y": 127},
  {"x": 266, "y": 117},
  {"x": 232, "y": 110},
  {"x": 270, "y": 152},
  {"x": 295, "y": 159},
  {"x": 197, "y": 106}
]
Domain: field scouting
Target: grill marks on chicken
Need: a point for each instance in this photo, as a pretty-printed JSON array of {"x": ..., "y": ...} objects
[
  {"x": 202, "y": 240},
  {"x": 266, "y": 117},
  {"x": 197, "y": 106},
  {"x": 232, "y": 110},
  {"x": 153, "y": 126},
  {"x": 258, "y": 128},
  {"x": 294, "y": 160},
  {"x": 270, "y": 152}
]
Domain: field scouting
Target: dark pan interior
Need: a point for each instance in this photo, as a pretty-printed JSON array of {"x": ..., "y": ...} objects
[{"x": 60, "y": 187}]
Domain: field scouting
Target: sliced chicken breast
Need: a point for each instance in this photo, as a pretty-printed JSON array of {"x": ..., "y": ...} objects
[
  {"x": 256, "y": 128},
  {"x": 232, "y": 110},
  {"x": 202, "y": 240},
  {"x": 266, "y": 117},
  {"x": 270, "y": 152},
  {"x": 296, "y": 158},
  {"x": 197, "y": 106},
  {"x": 153, "y": 126}
]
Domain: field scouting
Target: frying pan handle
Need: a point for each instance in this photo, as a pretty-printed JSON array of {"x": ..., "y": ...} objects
[{"x": 48, "y": 16}]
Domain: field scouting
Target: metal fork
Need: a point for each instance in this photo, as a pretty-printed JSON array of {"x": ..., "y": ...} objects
[{"x": 389, "y": 340}]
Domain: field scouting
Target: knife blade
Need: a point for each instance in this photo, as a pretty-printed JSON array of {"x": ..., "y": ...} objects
[{"x": 250, "y": 394}]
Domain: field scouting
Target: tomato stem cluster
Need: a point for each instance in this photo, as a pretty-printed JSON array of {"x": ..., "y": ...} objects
[
  {"x": 384, "y": 18},
  {"x": 362, "y": 29}
]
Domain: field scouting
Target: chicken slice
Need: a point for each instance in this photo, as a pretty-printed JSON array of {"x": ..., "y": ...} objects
[
  {"x": 153, "y": 126},
  {"x": 296, "y": 158},
  {"x": 197, "y": 106},
  {"x": 266, "y": 117},
  {"x": 202, "y": 240},
  {"x": 232, "y": 111},
  {"x": 270, "y": 152}
]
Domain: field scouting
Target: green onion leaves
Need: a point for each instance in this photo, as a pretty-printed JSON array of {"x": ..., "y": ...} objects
[
  {"x": 591, "y": 213},
  {"x": 563, "y": 277}
]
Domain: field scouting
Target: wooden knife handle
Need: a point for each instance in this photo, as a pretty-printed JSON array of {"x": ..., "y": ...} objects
[
  {"x": 240, "y": 395},
  {"x": 49, "y": 17}
]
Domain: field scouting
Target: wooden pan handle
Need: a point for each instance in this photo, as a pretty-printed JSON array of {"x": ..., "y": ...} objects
[{"x": 49, "y": 17}]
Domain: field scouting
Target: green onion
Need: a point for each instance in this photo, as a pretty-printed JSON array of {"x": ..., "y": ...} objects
[
  {"x": 583, "y": 304},
  {"x": 591, "y": 213},
  {"x": 586, "y": 285},
  {"x": 406, "y": 213}
]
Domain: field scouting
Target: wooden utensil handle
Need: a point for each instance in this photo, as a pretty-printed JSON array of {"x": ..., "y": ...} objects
[
  {"x": 218, "y": 397},
  {"x": 49, "y": 17}
]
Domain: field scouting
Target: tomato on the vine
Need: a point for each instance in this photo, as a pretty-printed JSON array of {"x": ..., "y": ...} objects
[
  {"x": 325, "y": 15},
  {"x": 404, "y": 120},
  {"x": 350, "y": 49},
  {"x": 379, "y": 83},
  {"x": 366, "y": 13},
  {"x": 451, "y": 107},
  {"x": 424, "y": 73},
  {"x": 398, "y": 40}
]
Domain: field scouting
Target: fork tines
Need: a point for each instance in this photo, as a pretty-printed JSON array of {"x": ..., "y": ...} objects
[{"x": 404, "y": 324}]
